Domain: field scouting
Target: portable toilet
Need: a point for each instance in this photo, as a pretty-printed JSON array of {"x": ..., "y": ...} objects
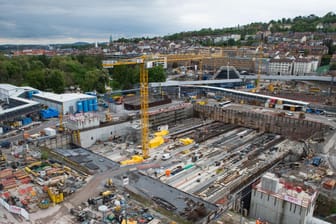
[
  {"x": 95, "y": 104},
  {"x": 79, "y": 106},
  {"x": 91, "y": 102},
  {"x": 85, "y": 106}
]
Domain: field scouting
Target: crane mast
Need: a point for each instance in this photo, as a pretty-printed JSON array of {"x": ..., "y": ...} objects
[{"x": 144, "y": 110}]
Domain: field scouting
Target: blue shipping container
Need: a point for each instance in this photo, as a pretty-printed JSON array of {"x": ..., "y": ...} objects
[
  {"x": 49, "y": 113},
  {"x": 26, "y": 121},
  {"x": 316, "y": 161}
]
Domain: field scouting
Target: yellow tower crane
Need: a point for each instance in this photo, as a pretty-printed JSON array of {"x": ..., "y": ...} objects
[
  {"x": 146, "y": 62},
  {"x": 142, "y": 62}
]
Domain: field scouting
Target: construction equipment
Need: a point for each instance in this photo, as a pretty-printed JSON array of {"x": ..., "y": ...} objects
[
  {"x": 109, "y": 183},
  {"x": 44, "y": 204}
]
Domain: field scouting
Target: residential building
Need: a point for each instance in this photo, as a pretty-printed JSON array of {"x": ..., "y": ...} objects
[
  {"x": 224, "y": 38},
  {"x": 302, "y": 66},
  {"x": 281, "y": 202},
  {"x": 282, "y": 66}
]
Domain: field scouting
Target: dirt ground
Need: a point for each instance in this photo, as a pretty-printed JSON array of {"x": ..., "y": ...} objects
[{"x": 324, "y": 207}]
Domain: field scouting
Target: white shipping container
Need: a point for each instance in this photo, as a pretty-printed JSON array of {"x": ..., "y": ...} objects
[
  {"x": 50, "y": 131},
  {"x": 1, "y": 130}
]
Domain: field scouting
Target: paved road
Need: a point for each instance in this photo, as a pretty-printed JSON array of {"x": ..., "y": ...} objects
[{"x": 18, "y": 136}]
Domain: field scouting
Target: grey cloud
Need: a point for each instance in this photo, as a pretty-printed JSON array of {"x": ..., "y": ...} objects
[{"x": 101, "y": 18}]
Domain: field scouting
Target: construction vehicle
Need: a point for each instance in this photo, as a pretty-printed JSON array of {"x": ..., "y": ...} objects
[
  {"x": 109, "y": 183},
  {"x": 44, "y": 204},
  {"x": 106, "y": 193}
]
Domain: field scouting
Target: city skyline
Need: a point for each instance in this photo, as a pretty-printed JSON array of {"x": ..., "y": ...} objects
[{"x": 48, "y": 22}]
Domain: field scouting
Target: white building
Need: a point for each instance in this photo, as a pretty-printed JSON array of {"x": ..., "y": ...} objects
[
  {"x": 280, "y": 67},
  {"x": 224, "y": 38},
  {"x": 82, "y": 121},
  {"x": 71, "y": 102},
  {"x": 302, "y": 66},
  {"x": 277, "y": 201}
]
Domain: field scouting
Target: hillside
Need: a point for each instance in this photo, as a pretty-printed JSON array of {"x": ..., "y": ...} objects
[{"x": 310, "y": 23}]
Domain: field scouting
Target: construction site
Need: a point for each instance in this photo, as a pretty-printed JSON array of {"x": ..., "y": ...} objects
[{"x": 186, "y": 157}]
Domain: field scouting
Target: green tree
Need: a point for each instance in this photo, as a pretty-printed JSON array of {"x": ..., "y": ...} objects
[
  {"x": 124, "y": 76},
  {"x": 156, "y": 74},
  {"x": 94, "y": 80},
  {"x": 332, "y": 67},
  {"x": 231, "y": 42},
  {"x": 55, "y": 80},
  {"x": 36, "y": 79},
  {"x": 325, "y": 60}
]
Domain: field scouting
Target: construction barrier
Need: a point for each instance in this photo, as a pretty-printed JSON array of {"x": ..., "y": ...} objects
[{"x": 15, "y": 209}]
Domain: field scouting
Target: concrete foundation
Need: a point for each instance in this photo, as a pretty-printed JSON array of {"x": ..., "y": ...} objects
[{"x": 288, "y": 127}]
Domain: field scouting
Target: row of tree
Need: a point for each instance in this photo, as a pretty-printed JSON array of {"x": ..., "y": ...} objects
[
  {"x": 60, "y": 72},
  {"x": 297, "y": 24},
  {"x": 54, "y": 73}
]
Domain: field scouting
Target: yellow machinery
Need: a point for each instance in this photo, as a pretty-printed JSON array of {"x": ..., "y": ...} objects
[
  {"x": 134, "y": 160},
  {"x": 186, "y": 141},
  {"x": 156, "y": 142},
  {"x": 76, "y": 137},
  {"x": 106, "y": 193},
  {"x": 55, "y": 195},
  {"x": 109, "y": 183}
]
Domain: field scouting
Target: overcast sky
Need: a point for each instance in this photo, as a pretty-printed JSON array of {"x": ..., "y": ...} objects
[{"x": 59, "y": 21}]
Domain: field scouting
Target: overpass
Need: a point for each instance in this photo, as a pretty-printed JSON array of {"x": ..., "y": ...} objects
[
  {"x": 196, "y": 82},
  {"x": 230, "y": 83},
  {"x": 289, "y": 78},
  {"x": 244, "y": 78}
]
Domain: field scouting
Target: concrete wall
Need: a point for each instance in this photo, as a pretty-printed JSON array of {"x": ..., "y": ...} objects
[
  {"x": 89, "y": 137},
  {"x": 57, "y": 142},
  {"x": 276, "y": 210},
  {"x": 288, "y": 127}
]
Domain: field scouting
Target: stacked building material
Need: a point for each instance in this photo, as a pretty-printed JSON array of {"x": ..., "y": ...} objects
[
  {"x": 20, "y": 174},
  {"x": 6, "y": 173},
  {"x": 9, "y": 183},
  {"x": 25, "y": 180}
]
